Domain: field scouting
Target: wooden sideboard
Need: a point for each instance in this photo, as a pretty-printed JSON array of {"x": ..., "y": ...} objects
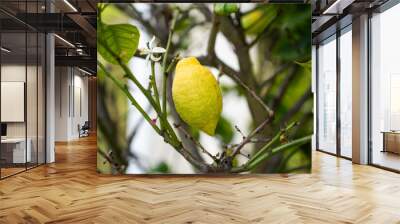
[{"x": 391, "y": 141}]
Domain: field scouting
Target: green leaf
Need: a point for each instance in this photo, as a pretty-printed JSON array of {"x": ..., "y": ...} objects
[
  {"x": 120, "y": 40},
  {"x": 306, "y": 65},
  {"x": 160, "y": 168},
  {"x": 224, "y": 130},
  {"x": 110, "y": 14},
  {"x": 269, "y": 153},
  {"x": 183, "y": 24},
  {"x": 256, "y": 21},
  {"x": 225, "y": 9}
]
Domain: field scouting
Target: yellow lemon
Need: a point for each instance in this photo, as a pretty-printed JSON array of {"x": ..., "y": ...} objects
[{"x": 196, "y": 94}]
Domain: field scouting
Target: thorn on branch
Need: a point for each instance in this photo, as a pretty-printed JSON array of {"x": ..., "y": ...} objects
[
  {"x": 187, "y": 135},
  {"x": 240, "y": 132},
  {"x": 247, "y": 139},
  {"x": 245, "y": 155},
  {"x": 149, "y": 87},
  {"x": 260, "y": 140},
  {"x": 109, "y": 159},
  {"x": 172, "y": 63},
  {"x": 220, "y": 73}
]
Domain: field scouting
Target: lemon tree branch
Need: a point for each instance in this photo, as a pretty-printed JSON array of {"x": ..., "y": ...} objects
[
  {"x": 273, "y": 141},
  {"x": 128, "y": 74},
  {"x": 211, "y": 59},
  {"x": 129, "y": 95},
  {"x": 188, "y": 135},
  {"x": 175, "y": 143},
  {"x": 253, "y": 94},
  {"x": 168, "y": 68},
  {"x": 164, "y": 64},
  {"x": 201, "y": 166},
  {"x": 213, "y": 36},
  {"x": 167, "y": 132},
  {"x": 250, "y": 136},
  {"x": 181, "y": 140},
  {"x": 154, "y": 86},
  {"x": 256, "y": 161},
  {"x": 297, "y": 105},
  {"x": 295, "y": 143}
]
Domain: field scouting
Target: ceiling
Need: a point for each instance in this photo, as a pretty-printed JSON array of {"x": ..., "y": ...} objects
[
  {"x": 74, "y": 22},
  {"x": 330, "y": 15}
]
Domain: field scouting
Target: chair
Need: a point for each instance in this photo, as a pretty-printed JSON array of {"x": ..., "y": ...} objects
[{"x": 84, "y": 130}]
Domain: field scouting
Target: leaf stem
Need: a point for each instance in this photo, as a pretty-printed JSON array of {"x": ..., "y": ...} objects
[
  {"x": 154, "y": 85},
  {"x": 166, "y": 131},
  {"x": 274, "y": 140},
  {"x": 129, "y": 75},
  {"x": 280, "y": 148},
  {"x": 251, "y": 164},
  {"x": 130, "y": 97},
  {"x": 146, "y": 93},
  {"x": 250, "y": 136}
]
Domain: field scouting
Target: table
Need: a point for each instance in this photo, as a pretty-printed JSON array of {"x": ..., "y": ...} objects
[{"x": 13, "y": 150}]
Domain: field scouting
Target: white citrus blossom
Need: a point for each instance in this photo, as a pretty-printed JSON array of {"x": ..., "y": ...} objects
[{"x": 153, "y": 52}]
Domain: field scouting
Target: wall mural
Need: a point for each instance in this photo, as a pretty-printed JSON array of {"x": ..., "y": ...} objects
[{"x": 202, "y": 88}]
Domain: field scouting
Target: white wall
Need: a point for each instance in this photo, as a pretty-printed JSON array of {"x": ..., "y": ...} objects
[
  {"x": 80, "y": 110},
  {"x": 71, "y": 102},
  {"x": 33, "y": 105},
  {"x": 61, "y": 103},
  {"x": 15, "y": 73}
]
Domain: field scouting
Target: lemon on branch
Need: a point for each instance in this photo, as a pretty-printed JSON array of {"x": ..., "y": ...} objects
[{"x": 196, "y": 94}]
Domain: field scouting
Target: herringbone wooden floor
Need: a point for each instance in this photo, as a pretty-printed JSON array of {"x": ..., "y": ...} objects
[{"x": 70, "y": 191}]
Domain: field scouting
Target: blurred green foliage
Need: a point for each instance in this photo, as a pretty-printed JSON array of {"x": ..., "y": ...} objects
[
  {"x": 224, "y": 130},
  {"x": 112, "y": 113},
  {"x": 112, "y": 125},
  {"x": 257, "y": 20},
  {"x": 284, "y": 68},
  {"x": 225, "y": 9},
  {"x": 160, "y": 168}
]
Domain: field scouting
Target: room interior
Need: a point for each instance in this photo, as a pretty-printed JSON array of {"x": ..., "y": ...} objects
[
  {"x": 385, "y": 88},
  {"x": 26, "y": 64},
  {"x": 72, "y": 107},
  {"x": 22, "y": 101},
  {"x": 336, "y": 83}
]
